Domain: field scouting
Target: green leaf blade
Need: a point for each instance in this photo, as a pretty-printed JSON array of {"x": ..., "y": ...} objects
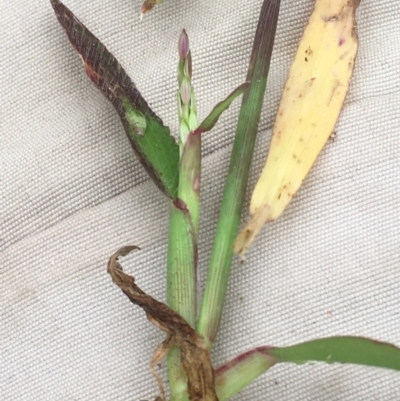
[
  {"x": 155, "y": 148},
  {"x": 346, "y": 349},
  {"x": 236, "y": 374},
  {"x": 239, "y": 167}
]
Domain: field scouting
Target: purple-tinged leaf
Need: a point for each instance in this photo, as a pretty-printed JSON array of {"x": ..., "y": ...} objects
[
  {"x": 235, "y": 375},
  {"x": 150, "y": 139},
  {"x": 100, "y": 65}
]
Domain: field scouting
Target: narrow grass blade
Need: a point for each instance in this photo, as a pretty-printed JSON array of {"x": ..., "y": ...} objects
[
  {"x": 150, "y": 139},
  {"x": 356, "y": 350},
  {"x": 219, "y": 108},
  {"x": 233, "y": 376},
  {"x": 235, "y": 187}
]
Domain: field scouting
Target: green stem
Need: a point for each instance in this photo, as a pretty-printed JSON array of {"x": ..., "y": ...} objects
[
  {"x": 181, "y": 274},
  {"x": 182, "y": 255},
  {"x": 176, "y": 376},
  {"x": 184, "y": 219},
  {"x": 181, "y": 288},
  {"x": 235, "y": 187}
]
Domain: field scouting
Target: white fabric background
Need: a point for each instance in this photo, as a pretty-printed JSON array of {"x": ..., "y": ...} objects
[{"x": 72, "y": 193}]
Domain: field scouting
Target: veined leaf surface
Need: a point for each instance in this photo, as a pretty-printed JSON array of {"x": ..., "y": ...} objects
[
  {"x": 236, "y": 374},
  {"x": 154, "y": 146}
]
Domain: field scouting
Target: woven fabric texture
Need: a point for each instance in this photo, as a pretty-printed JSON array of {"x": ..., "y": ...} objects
[{"x": 72, "y": 192}]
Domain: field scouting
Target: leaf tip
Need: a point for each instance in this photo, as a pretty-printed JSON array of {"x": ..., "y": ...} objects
[
  {"x": 247, "y": 236},
  {"x": 183, "y": 45}
]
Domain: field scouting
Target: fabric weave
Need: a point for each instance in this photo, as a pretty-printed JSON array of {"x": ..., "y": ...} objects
[{"x": 72, "y": 193}]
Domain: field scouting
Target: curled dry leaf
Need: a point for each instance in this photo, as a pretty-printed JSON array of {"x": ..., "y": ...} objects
[{"x": 196, "y": 360}]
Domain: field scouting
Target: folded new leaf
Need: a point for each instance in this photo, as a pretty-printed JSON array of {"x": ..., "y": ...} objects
[
  {"x": 219, "y": 108},
  {"x": 311, "y": 102},
  {"x": 150, "y": 139}
]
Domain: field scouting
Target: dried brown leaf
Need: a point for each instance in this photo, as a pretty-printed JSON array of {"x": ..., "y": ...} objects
[{"x": 196, "y": 360}]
